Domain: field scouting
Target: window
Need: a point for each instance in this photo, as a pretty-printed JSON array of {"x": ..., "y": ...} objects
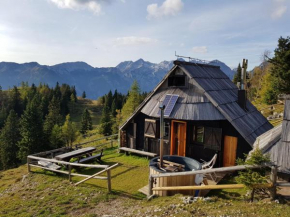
[
  {"x": 166, "y": 130},
  {"x": 177, "y": 79},
  {"x": 151, "y": 128},
  {"x": 197, "y": 134}
]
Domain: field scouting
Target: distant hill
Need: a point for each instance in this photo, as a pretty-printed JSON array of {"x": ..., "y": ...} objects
[{"x": 95, "y": 81}]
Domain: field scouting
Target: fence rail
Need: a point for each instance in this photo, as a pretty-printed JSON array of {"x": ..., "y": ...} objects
[
  {"x": 271, "y": 186},
  {"x": 106, "y": 168}
]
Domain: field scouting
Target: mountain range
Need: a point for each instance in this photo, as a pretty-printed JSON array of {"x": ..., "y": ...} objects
[{"x": 95, "y": 81}]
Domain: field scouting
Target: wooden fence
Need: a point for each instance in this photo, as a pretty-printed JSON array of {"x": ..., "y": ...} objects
[
  {"x": 32, "y": 161},
  {"x": 272, "y": 186}
]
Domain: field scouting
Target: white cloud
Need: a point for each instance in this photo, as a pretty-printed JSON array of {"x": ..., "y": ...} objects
[
  {"x": 168, "y": 7},
  {"x": 181, "y": 45},
  {"x": 201, "y": 49},
  {"x": 279, "y": 11},
  {"x": 133, "y": 40},
  {"x": 92, "y": 5}
]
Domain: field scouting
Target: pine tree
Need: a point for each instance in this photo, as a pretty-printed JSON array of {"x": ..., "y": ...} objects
[
  {"x": 280, "y": 70},
  {"x": 86, "y": 123},
  {"x": 132, "y": 102},
  {"x": 15, "y": 101},
  {"x": 74, "y": 92},
  {"x": 109, "y": 99},
  {"x": 106, "y": 122},
  {"x": 114, "y": 108},
  {"x": 52, "y": 118},
  {"x": 9, "y": 138},
  {"x": 117, "y": 122},
  {"x": 56, "y": 137},
  {"x": 69, "y": 131},
  {"x": 56, "y": 91},
  {"x": 31, "y": 130},
  {"x": 73, "y": 101},
  {"x": 237, "y": 77},
  {"x": 84, "y": 95}
]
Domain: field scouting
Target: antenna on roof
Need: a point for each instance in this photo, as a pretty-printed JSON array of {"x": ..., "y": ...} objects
[{"x": 195, "y": 60}]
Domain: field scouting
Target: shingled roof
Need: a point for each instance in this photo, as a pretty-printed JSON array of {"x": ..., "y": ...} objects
[
  {"x": 276, "y": 142},
  {"x": 215, "y": 98}
]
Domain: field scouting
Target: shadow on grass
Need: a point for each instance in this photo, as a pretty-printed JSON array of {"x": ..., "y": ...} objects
[{"x": 227, "y": 194}]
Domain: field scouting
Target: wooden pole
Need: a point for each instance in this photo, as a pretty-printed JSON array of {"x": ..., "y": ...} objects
[
  {"x": 28, "y": 164},
  {"x": 69, "y": 172},
  {"x": 150, "y": 186},
  {"x": 98, "y": 173},
  {"x": 109, "y": 180},
  {"x": 273, "y": 178}
]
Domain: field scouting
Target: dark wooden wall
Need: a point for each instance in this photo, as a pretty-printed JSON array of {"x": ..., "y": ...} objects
[{"x": 193, "y": 150}]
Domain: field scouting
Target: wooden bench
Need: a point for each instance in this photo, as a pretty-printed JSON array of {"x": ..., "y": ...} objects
[
  {"x": 49, "y": 165},
  {"x": 97, "y": 157},
  {"x": 144, "y": 153}
]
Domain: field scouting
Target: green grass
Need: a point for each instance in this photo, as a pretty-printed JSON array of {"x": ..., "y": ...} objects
[
  {"x": 43, "y": 193},
  {"x": 76, "y": 111}
]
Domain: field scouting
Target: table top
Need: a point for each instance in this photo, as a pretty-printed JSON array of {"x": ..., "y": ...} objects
[{"x": 75, "y": 153}]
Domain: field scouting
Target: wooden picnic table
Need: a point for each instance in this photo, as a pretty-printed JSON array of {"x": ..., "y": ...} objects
[{"x": 77, "y": 153}]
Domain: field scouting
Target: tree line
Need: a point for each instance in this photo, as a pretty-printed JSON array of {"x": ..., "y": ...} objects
[
  {"x": 34, "y": 119},
  {"x": 118, "y": 107}
]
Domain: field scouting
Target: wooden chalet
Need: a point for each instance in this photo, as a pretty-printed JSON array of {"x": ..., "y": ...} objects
[
  {"x": 276, "y": 142},
  {"x": 205, "y": 114}
]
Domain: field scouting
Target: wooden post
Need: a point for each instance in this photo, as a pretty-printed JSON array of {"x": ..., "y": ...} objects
[
  {"x": 28, "y": 166},
  {"x": 109, "y": 180},
  {"x": 69, "y": 172},
  {"x": 273, "y": 178},
  {"x": 150, "y": 186}
]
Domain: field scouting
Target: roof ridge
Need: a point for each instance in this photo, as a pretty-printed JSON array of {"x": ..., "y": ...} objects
[{"x": 177, "y": 62}]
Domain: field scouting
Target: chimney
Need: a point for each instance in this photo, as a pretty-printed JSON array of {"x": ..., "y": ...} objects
[{"x": 242, "y": 94}]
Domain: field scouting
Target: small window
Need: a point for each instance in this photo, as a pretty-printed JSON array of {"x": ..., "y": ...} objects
[
  {"x": 151, "y": 128},
  {"x": 166, "y": 130},
  {"x": 200, "y": 134},
  {"x": 197, "y": 134},
  {"x": 177, "y": 79}
]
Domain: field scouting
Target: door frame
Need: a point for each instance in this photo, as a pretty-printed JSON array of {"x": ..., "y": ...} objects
[{"x": 172, "y": 136}]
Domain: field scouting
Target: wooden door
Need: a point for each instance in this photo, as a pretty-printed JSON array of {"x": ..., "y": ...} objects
[
  {"x": 178, "y": 138},
  {"x": 230, "y": 151}
]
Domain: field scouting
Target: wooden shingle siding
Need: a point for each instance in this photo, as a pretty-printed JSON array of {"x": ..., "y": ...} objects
[{"x": 276, "y": 142}]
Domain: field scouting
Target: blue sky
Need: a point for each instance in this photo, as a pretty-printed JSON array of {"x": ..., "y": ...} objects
[{"x": 106, "y": 32}]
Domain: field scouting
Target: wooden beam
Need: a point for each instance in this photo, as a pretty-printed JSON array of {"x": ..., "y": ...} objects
[
  {"x": 98, "y": 173},
  {"x": 207, "y": 187},
  {"x": 67, "y": 173},
  {"x": 214, "y": 170},
  {"x": 68, "y": 163},
  {"x": 98, "y": 139},
  {"x": 283, "y": 184}
]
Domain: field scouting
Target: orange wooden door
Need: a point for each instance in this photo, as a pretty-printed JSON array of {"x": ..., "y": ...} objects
[
  {"x": 178, "y": 138},
  {"x": 230, "y": 150},
  {"x": 181, "y": 139}
]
